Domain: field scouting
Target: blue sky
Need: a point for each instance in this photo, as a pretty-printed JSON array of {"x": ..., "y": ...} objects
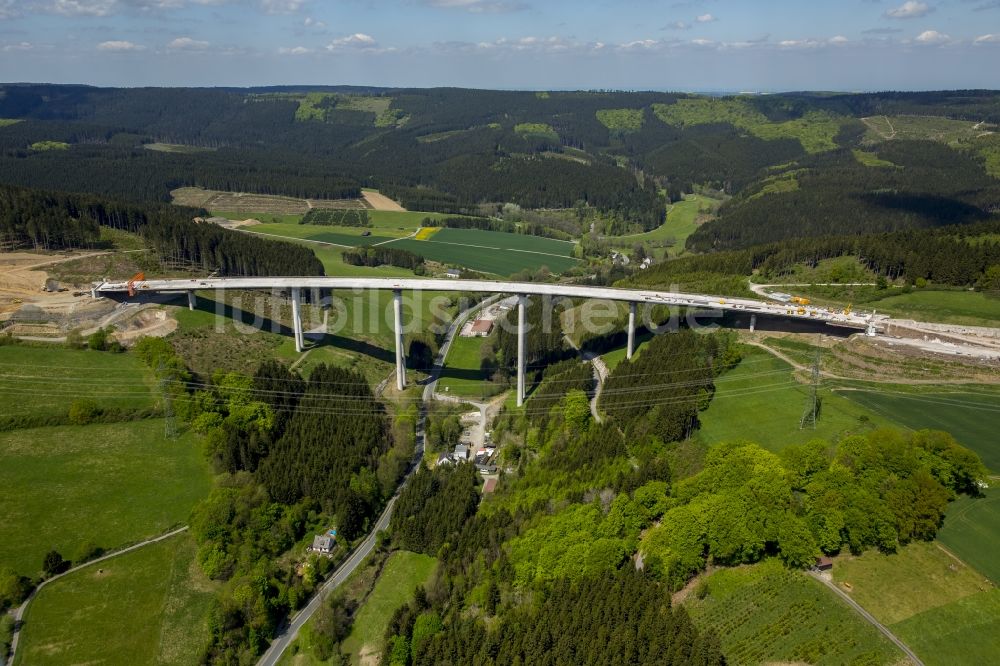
[{"x": 695, "y": 45}]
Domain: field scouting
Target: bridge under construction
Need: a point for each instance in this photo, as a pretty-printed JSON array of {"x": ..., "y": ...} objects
[{"x": 869, "y": 322}]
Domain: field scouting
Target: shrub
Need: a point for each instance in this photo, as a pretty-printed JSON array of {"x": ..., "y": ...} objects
[{"x": 83, "y": 411}]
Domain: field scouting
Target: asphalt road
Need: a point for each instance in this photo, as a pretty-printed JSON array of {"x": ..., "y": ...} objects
[
  {"x": 291, "y": 630},
  {"x": 288, "y": 633}
]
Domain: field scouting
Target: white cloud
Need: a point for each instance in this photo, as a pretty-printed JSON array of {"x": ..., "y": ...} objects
[
  {"x": 9, "y": 9},
  {"x": 119, "y": 45},
  {"x": 706, "y": 18},
  {"x": 187, "y": 44},
  {"x": 987, "y": 39},
  {"x": 909, "y": 9},
  {"x": 358, "y": 40},
  {"x": 839, "y": 39},
  {"x": 478, "y": 6},
  {"x": 294, "y": 50},
  {"x": 677, "y": 25},
  {"x": 702, "y": 42},
  {"x": 281, "y": 6},
  {"x": 20, "y": 46},
  {"x": 80, "y": 7},
  {"x": 933, "y": 37},
  {"x": 310, "y": 22}
]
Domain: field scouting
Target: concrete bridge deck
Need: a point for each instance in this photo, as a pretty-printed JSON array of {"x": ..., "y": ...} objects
[{"x": 867, "y": 322}]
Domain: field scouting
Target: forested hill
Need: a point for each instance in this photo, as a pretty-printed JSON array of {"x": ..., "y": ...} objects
[
  {"x": 795, "y": 164},
  {"x": 56, "y": 221}
]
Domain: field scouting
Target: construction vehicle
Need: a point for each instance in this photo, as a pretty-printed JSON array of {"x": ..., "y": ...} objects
[
  {"x": 848, "y": 309},
  {"x": 801, "y": 311},
  {"x": 138, "y": 277},
  {"x": 798, "y": 300}
]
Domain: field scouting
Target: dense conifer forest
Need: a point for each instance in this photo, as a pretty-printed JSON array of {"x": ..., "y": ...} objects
[{"x": 56, "y": 221}]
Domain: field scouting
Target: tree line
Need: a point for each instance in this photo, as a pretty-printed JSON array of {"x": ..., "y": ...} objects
[
  {"x": 53, "y": 221},
  {"x": 382, "y": 256}
]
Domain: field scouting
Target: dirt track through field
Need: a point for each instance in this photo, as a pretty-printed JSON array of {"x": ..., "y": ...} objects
[{"x": 379, "y": 201}]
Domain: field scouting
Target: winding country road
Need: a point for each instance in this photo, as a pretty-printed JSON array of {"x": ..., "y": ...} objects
[
  {"x": 23, "y": 608},
  {"x": 288, "y": 633}
]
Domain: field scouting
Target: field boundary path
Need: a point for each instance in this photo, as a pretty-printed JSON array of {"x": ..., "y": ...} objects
[
  {"x": 869, "y": 617},
  {"x": 23, "y": 608},
  {"x": 290, "y": 631}
]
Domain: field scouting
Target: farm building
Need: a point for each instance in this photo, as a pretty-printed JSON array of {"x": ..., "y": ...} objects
[
  {"x": 481, "y": 328},
  {"x": 444, "y": 459},
  {"x": 453, "y": 273},
  {"x": 823, "y": 564},
  {"x": 461, "y": 452}
]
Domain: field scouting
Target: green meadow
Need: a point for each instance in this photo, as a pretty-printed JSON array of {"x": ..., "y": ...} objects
[
  {"x": 149, "y": 606},
  {"x": 760, "y": 400},
  {"x": 402, "y": 572},
  {"x": 39, "y": 383},
  {"x": 76, "y": 488}
]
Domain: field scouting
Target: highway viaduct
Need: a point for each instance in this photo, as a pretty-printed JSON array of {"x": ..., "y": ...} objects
[{"x": 295, "y": 285}]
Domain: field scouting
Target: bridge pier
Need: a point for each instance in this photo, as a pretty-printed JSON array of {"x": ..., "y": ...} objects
[
  {"x": 397, "y": 309},
  {"x": 753, "y": 322},
  {"x": 522, "y": 301},
  {"x": 631, "y": 330},
  {"x": 192, "y": 299},
  {"x": 297, "y": 318}
]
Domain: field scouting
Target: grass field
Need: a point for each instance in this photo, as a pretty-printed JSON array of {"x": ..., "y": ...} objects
[
  {"x": 402, "y": 572},
  {"x": 105, "y": 485},
  {"x": 624, "y": 121},
  {"x": 922, "y": 128},
  {"x": 40, "y": 382},
  {"x": 970, "y": 308},
  {"x": 349, "y": 236},
  {"x": 492, "y": 251},
  {"x": 682, "y": 221},
  {"x": 760, "y": 401},
  {"x": 894, "y": 587},
  {"x": 145, "y": 607},
  {"x": 815, "y": 131},
  {"x": 537, "y": 131},
  {"x": 461, "y": 375},
  {"x": 768, "y": 614},
  {"x": 972, "y": 418},
  {"x": 972, "y": 531},
  {"x": 836, "y": 269},
  {"x": 963, "y": 633}
]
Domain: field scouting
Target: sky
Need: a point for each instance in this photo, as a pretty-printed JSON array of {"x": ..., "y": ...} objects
[{"x": 696, "y": 45}]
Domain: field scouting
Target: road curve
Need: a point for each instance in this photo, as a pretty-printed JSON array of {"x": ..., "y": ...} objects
[
  {"x": 288, "y": 633},
  {"x": 870, "y": 618},
  {"x": 23, "y": 608}
]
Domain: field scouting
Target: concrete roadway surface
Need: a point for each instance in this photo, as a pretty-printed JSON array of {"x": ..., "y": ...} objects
[{"x": 288, "y": 633}]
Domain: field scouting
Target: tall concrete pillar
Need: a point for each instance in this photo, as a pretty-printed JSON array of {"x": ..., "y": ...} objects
[
  {"x": 753, "y": 322},
  {"x": 397, "y": 309},
  {"x": 631, "y": 330},
  {"x": 522, "y": 305},
  {"x": 192, "y": 299},
  {"x": 297, "y": 317}
]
